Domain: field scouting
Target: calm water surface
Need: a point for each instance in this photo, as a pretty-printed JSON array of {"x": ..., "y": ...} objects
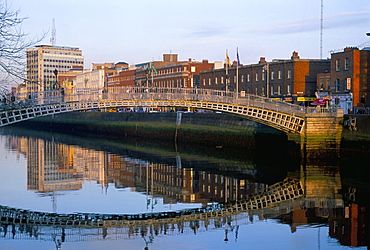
[{"x": 67, "y": 174}]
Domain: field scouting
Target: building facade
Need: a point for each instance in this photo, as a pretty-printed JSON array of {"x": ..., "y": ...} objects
[
  {"x": 291, "y": 80},
  {"x": 122, "y": 78},
  {"x": 350, "y": 77},
  {"x": 90, "y": 84},
  {"x": 171, "y": 73},
  {"x": 44, "y": 62}
]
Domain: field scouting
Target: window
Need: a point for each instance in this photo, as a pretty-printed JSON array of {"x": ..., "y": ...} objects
[
  {"x": 321, "y": 82},
  {"x": 256, "y": 77},
  {"x": 348, "y": 85},
  {"x": 337, "y": 65},
  {"x": 248, "y": 77},
  {"x": 346, "y": 64},
  {"x": 242, "y": 78},
  {"x": 272, "y": 75},
  {"x": 279, "y": 90},
  {"x": 328, "y": 82},
  {"x": 337, "y": 85},
  {"x": 279, "y": 74},
  {"x": 288, "y": 90},
  {"x": 193, "y": 69},
  {"x": 256, "y": 91},
  {"x": 271, "y": 90},
  {"x": 222, "y": 80},
  {"x": 216, "y": 82},
  {"x": 289, "y": 76}
]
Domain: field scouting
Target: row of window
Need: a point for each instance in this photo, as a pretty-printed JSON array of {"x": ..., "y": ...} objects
[
  {"x": 62, "y": 53},
  {"x": 338, "y": 64},
  {"x": 274, "y": 90},
  {"x": 64, "y": 61},
  {"x": 173, "y": 70},
  {"x": 324, "y": 84},
  {"x": 247, "y": 77}
]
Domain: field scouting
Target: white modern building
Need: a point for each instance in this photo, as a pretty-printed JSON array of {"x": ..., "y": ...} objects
[{"x": 44, "y": 62}]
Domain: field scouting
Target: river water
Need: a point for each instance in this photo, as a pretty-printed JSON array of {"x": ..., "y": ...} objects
[{"x": 65, "y": 174}]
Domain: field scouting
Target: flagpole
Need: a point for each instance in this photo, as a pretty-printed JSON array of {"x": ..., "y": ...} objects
[
  {"x": 152, "y": 75},
  {"x": 227, "y": 72},
  {"x": 237, "y": 74}
]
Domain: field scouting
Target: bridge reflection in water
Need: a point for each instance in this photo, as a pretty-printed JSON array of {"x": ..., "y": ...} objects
[{"x": 315, "y": 189}]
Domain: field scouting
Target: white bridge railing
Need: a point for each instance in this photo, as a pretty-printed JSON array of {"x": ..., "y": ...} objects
[{"x": 156, "y": 94}]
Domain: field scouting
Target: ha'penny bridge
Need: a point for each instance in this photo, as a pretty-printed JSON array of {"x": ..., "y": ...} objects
[
  {"x": 19, "y": 223},
  {"x": 283, "y": 116}
]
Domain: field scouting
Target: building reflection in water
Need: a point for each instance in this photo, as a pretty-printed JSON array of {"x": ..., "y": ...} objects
[{"x": 56, "y": 167}]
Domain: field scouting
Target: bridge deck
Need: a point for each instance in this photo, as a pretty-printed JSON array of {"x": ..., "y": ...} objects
[{"x": 280, "y": 115}]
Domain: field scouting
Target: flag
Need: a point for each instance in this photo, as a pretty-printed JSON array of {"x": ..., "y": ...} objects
[
  {"x": 152, "y": 69},
  {"x": 227, "y": 59},
  {"x": 237, "y": 56}
]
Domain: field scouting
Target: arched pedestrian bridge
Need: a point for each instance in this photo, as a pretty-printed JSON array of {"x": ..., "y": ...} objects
[{"x": 283, "y": 116}]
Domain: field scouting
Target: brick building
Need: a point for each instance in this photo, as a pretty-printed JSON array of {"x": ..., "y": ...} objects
[
  {"x": 350, "y": 76},
  {"x": 291, "y": 79},
  {"x": 171, "y": 72}
]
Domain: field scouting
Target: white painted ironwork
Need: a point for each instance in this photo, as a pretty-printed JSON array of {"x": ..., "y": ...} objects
[{"x": 281, "y": 115}]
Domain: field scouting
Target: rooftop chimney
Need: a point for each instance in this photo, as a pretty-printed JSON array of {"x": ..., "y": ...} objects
[{"x": 295, "y": 55}]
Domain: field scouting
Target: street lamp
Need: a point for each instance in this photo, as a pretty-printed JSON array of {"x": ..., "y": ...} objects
[{"x": 56, "y": 77}]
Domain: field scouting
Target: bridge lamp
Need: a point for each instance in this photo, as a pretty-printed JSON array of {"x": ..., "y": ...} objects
[{"x": 56, "y": 76}]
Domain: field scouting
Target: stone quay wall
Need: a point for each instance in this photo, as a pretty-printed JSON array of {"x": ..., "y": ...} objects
[{"x": 201, "y": 128}]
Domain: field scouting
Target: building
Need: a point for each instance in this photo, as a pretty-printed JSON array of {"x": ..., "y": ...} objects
[
  {"x": 292, "y": 80},
  {"x": 90, "y": 83},
  {"x": 171, "y": 73},
  {"x": 67, "y": 79},
  {"x": 350, "y": 79},
  {"x": 44, "y": 62},
  {"x": 122, "y": 78}
]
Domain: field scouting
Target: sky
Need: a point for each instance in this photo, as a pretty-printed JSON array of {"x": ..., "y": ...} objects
[{"x": 143, "y": 30}]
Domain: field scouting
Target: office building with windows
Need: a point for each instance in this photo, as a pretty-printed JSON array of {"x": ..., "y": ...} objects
[{"x": 44, "y": 62}]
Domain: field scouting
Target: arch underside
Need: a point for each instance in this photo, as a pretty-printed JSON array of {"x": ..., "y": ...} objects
[{"x": 285, "y": 122}]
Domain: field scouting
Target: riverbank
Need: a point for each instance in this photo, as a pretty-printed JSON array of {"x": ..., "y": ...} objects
[{"x": 356, "y": 127}]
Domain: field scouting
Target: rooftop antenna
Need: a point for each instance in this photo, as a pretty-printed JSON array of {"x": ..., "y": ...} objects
[
  {"x": 321, "y": 26},
  {"x": 53, "y": 38}
]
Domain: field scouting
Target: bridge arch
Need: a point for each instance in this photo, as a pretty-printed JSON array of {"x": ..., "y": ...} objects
[{"x": 283, "y": 116}]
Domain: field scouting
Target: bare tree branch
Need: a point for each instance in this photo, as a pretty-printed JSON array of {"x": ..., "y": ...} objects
[{"x": 13, "y": 43}]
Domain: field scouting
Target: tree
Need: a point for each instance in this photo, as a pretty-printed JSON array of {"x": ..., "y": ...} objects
[{"x": 13, "y": 43}]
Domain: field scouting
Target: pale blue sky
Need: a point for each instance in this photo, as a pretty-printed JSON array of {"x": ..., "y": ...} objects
[{"x": 142, "y": 30}]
